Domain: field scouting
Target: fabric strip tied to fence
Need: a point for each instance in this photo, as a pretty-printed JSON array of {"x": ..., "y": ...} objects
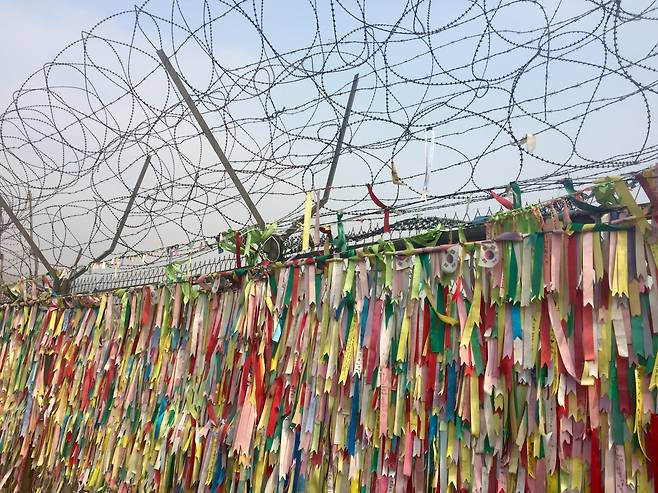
[{"x": 515, "y": 366}]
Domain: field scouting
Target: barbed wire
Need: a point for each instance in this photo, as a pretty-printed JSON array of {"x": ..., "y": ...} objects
[{"x": 451, "y": 88}]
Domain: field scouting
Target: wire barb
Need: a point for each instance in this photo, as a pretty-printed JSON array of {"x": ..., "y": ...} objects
[{"x": 268, "y": 89}]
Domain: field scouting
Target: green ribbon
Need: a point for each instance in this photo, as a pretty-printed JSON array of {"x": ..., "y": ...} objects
[
  {"x": 288, "y": 296},
  {"x": 340, "y": 241},
  {"x": 605, "y": 193},
  {"x": 437, "y": 326},
  {"x": 637, "y": 336},
  {"x": 537, "y": 266},
  {"x": 598, "y": 227},
  {"x": 272, "y": 281},
  {"x": 516, "y": 193},
  {"x": 617, "y": 420},
  {"x": 425, "y": 261},
  {"x": 513, "y": 277},
  {"x": 318, "y": 288},
  {"x": 584, "y": 206},
  {"x": 428, "y": 239},
  {"x": 652, "y": 357},
  {"x": 477, "y": 353}
]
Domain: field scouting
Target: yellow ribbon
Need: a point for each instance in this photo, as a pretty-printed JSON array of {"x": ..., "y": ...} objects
[
  {"x": 627, "y": 199},
  {"x": 404, "y": 336},
  {"x": 444, "y": 318},
  {"x": 639, "y": 407},
  {"x": 306, "y": 233},
  {"x": 473, "y": 314}
]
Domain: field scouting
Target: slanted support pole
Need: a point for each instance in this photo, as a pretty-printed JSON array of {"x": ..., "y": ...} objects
[
  {"x": 122, "y": 223},
  {"x": 28, "y": 238},
  {"x": 211, "y": 138},
  {"x": 339, "y": 143},
  {"x": 29, "y": 204},
  {"x": 334, "y": 161}
]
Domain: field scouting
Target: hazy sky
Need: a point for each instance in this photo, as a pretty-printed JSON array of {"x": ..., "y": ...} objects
[{"x": 33, "y": 32}]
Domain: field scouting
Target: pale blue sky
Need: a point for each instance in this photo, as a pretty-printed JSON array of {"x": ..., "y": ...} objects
[{"x": 32, "y": 32}]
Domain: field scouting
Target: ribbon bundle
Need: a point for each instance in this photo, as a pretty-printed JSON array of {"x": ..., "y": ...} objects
[{"x": 534, "y": 370}]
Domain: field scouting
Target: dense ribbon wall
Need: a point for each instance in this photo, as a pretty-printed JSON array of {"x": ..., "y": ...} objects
[{"x": 525, "y": 364}]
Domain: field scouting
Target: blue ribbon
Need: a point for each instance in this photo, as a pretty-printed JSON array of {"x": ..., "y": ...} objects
[{"x": 516, "y": 321}]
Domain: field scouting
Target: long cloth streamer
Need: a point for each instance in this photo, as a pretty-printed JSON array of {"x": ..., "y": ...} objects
[
  {"x": 381, "y": 205},
  {"x": 377, "y": 372}
]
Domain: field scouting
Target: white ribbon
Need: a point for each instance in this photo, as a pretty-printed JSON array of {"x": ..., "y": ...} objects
[{"x": 429, "y": 159}]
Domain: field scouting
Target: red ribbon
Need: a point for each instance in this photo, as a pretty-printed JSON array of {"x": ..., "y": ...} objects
[
  {"x": 274, "y": 413},
  {"x": 146, "y": 311},
  {"x": 625, "y": 406},
  {"x": 502, "y": 200},
  {"x": 211, "y": 413},
  {"x": 595, "y": 468},
  {"x": 652, "y": 448},
  {"x": 588, "y": 334},
  {"x": 381, "y": 205}
]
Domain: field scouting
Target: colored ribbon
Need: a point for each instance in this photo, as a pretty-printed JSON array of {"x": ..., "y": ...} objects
[
  {"x": 238, "y": 249},
  {"x": 429, "y": 159},
  {"x": 306, "y": 229},
  {"x": 381, "y": 205},
  {"x": 345, "y": 374}
]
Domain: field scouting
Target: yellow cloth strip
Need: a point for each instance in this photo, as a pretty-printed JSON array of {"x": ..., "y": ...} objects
[{"x": 306, "y": 233}]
